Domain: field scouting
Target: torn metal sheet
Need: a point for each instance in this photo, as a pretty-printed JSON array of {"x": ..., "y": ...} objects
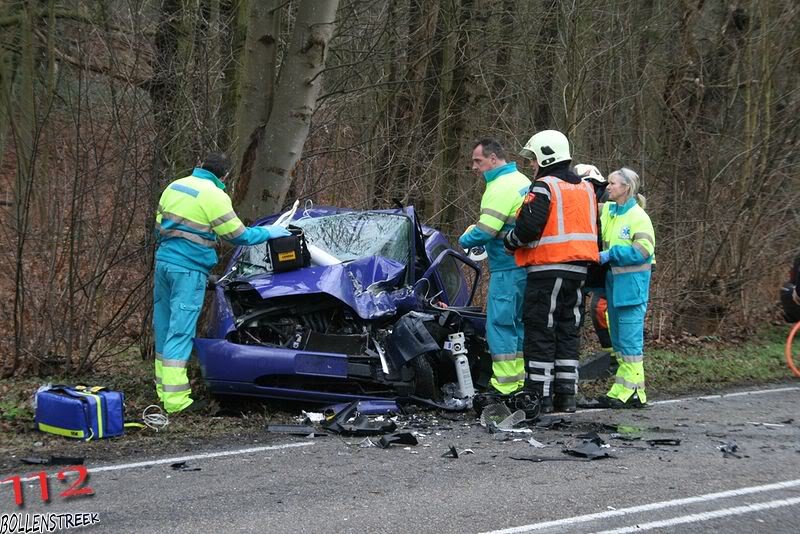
[
  {"x": 296, "y": 430},
  {"x": 183, "y": 466},
  {"x": 590, "y": 450},
  {"x": 350, "y": 421},
  {"x": 663, "y": 441},
  {"x": 591, "y": 436},
  {"x": 401, "y": 438},
  {"x": 729, "y": 449},
  {"x": 552, "y": 422},
  {"x": 53, "y": 460},
  {"x": 452, "y": 452},
  {"x": 366, "y": 407},
  {"x": 538, "y": 459},
  {"x": 533, "y": 443}
]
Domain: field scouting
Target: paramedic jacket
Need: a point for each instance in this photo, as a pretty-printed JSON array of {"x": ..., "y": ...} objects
[{"x": 192, "y": 212}]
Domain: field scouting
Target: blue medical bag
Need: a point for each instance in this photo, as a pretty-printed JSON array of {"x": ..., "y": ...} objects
[{"x": 80, "y": 412}]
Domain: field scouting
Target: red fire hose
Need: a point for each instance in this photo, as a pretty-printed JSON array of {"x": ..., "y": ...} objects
[{"x": 789, "y": 357}]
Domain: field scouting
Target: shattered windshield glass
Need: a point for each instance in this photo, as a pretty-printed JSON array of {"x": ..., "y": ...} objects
[{"x": 346, "y": 236}]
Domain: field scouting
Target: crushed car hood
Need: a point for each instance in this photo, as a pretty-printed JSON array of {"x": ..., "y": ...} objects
[{"x": 373, "y": 287}]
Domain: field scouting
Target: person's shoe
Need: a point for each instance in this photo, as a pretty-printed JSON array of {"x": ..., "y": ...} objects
[
  {"x": 606, "y": 402},
  {"x": 565, "y": 403},
  {"x": 547, "y": 405}
]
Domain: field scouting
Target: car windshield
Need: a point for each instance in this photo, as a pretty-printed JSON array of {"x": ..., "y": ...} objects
[{"x": 346, "y": 236}]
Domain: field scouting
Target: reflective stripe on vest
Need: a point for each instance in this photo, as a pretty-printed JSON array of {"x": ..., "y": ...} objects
[{"x": 570, "y": 233}]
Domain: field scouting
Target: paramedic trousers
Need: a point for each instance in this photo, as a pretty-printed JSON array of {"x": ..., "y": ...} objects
[
  {"x": 627, "y": 336},
  {"x": 553, "y": 317},
  {"x": 504, "y": 329},
  {"x": 178, "y": 295}
]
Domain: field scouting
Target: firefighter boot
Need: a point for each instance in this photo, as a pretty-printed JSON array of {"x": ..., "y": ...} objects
[{"x": 565, "y": 403}]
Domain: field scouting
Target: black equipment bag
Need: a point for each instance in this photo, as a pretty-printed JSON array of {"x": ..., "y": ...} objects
[{"x": 288, "y": 253}]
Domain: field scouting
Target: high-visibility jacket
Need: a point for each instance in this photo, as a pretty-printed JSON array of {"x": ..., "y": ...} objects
[
  {"x": 192, "y": 212},
  {"x": 629, "y": 238},
  {"x": 570, "y": 233},
  {"x": 505, "y": 189}
]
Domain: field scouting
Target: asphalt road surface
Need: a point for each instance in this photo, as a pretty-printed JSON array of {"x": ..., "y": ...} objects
[{"x": 331, "y": 484}]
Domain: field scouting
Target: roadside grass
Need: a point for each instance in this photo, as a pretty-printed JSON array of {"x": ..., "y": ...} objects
[
  {"x": 709, "y": 365},
  {"x": 692, "y": 366}
]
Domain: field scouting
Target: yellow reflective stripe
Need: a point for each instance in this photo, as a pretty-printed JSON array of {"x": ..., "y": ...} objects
[
  {"x": 509, "y": 379},
  {"x": 234, "y": 234},
  {"x": 194, "y": 238},
  {"x": 629, "y": 385},
  {"x": 562, "y": 238},
  {"x": 177, "y": 219},
  {"x": 631, "y": 269},
  {"x": 169, "y": 388},
  {"x": 494, "y": 213},
  {"x": 174, "y": 363},
  {"x": 224, "y": 218},
  {"x": 61, "y": 431},
  {"x": 632, "y": 359},
  {"x": 486, "y": 228},
  {"x": 640, "y": 248},
  {"x": 538, "y": 190},
  {"x": 644, "y": 235},
  {"x": 559, "y": 267},
  {"x": 99, "y": 403},
  {"x": 504, "y": 357}
]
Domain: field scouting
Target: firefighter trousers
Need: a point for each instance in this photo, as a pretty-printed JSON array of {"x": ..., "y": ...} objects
[{"x": 553, "y": 316}]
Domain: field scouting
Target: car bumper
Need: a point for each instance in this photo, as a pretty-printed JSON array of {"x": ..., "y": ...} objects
[{"x": 233, "y": 369}]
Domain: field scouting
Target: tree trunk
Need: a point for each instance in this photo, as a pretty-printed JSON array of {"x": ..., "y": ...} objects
[
  {"x": 295, "y": 98},
  {"x": 256, "y": 86}
]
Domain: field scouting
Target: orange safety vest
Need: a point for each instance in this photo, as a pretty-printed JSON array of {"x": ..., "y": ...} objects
[{"x": 570, "y": 233}]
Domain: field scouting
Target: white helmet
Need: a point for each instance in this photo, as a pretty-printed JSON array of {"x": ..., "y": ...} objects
[
  {"x": 589, "y": 172},
  {"x": 547, "y": 147}
]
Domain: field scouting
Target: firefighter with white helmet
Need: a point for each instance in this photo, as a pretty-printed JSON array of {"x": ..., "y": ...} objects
[{"x": 555, "y": 240}]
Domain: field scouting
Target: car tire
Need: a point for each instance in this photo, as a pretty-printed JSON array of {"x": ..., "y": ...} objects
[{"x": 426, "y": 379}]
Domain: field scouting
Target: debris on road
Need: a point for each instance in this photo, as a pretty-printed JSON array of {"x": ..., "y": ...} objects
[
  {"x": 296, "y": 430},
  {"x": 53, "y": 460},
  {"x": 350, "y": 421},
  {"x": 729, "y": 449},
  {"x": 183, "y": 466},
  {"x": 401, "y": 438},
  {"x": 663, "y": 441},
  {"x": 589, "y": 449}
]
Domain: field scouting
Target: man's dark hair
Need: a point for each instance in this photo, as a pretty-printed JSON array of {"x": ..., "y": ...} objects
[
  {"x": 218, "y": 163},
  {"x": 489, "y": 146}
]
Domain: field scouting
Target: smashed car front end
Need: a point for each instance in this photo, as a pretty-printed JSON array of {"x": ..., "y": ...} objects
[{"x": 356, "y": 329}]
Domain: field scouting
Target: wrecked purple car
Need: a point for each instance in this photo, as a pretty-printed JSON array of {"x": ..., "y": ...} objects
[{"x": 383, "y": 310}]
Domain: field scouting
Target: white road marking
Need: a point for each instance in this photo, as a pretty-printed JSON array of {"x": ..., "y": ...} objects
[
  {"x": 708, "y": 397},
  {"x": 649, "y": 507},
  {"x": 204, "y": 456},
  {"x": 705, "y": 516}
]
